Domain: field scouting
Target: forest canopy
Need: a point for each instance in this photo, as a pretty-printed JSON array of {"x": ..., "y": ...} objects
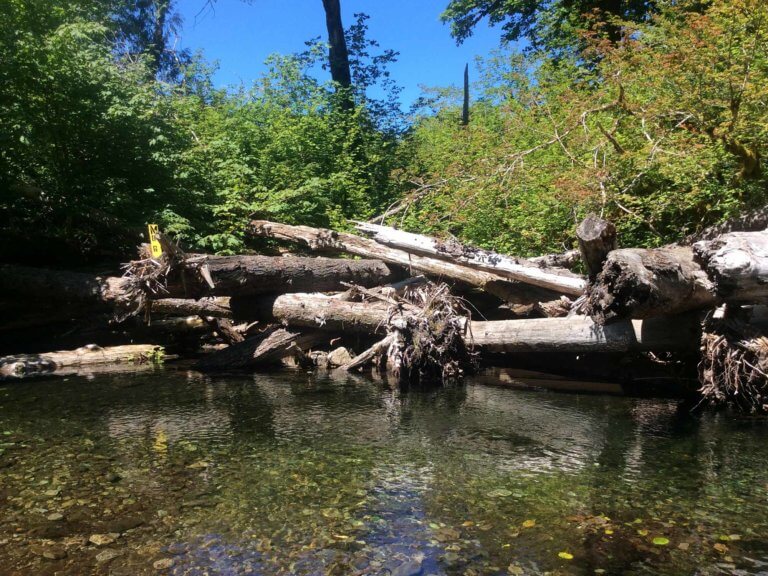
[{"x": 659, "y": 125}]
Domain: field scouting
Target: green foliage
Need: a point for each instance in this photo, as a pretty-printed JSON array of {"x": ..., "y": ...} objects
[
  {"x": 93, "y": 147},
  {"x": 663, "y": 135}
]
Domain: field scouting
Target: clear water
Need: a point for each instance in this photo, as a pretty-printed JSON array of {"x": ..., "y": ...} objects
[{"x": 294, "y": 473}]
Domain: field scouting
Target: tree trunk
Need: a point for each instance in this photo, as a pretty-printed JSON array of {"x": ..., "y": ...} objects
[
  {"x": 209, "y": 307},
  {"x": 231, "y": 275},
  {"x": 597, "y": 237},
  {"x": 573, "y": 334},
  {"x": 328, "y": 240},
  {"x": 737, "y": 263},
  {"x": 252, "y": 275},
  {"x": 511, "y": 268},
  {"x": 338, "y": 55},
  {"x": 465, "y": 107},
  {"x": 638, "y": 283},
  {"x": 23, "y": 365}
]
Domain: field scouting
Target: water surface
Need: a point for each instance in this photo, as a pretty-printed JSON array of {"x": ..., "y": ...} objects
[{"x": 294, "y": 473}]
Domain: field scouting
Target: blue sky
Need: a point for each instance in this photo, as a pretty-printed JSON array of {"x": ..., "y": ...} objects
[{"x": 240, "y": 35}]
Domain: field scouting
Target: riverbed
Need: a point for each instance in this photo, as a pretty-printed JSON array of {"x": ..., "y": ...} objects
[{"x": 172, "y": 472}]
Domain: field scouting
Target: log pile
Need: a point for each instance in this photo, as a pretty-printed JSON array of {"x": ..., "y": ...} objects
[{"x": 420, "y": 308}]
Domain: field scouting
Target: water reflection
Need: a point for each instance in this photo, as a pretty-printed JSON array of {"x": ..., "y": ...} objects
[{"x": 295, "y": 473}]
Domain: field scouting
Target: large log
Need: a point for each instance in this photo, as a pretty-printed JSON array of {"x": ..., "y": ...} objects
[
  {"x": 638, "y": 283},
  {"x": 572, "y": 334},
  {"x": 517, "y": 269},
  {"x": 231, "y": 276},
  {"x": 23, "y": 365},
  {"x": 209, "y": 307},
  {"x": 251, "y": 275},
  {"x": 737, "y": 263},
  {"x": 327, "y": 240}
]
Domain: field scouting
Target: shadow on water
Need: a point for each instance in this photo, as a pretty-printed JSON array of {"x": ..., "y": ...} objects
[{"x": 296, "y": 473}]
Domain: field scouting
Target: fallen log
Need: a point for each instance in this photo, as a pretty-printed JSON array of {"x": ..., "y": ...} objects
[
  {"x": 639, "y": 283},
  {"x": 568, "y": 260},
  {"x": 24, "y": 365},
  {"x": 327, "y": 240},
  {"x": 252, "y": 275},
  {"x": 269, "y": 347},
  {"x": 737, "y": 264},
  {"x": 517, "y": 269},
  {"x": 572, "y": 334},
  {"x": 231, "y": 276},
  {"x": 208, "y": 307}
]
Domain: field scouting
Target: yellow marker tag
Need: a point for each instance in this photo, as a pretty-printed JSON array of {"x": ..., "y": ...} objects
[{"x": 154, "y": 242}]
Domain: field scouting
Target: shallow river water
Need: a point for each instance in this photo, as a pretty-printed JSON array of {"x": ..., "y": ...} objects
[{"x": 291, "y": 473}]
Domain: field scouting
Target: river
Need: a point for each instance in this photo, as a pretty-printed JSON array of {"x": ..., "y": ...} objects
[{"x": 173, "y": 472}]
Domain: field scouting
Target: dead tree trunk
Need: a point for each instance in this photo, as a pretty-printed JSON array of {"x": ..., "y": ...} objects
[
  {"x": 737, "y": 263},
  {"x": 597, "y": 237},
  {"x": 573, "y": 334},
  {"x": 23, "y": 365},
  {"x": 511, "y": 268},
  {"x": 637, "y": 283},
  {"x": 328, "y": 240}
]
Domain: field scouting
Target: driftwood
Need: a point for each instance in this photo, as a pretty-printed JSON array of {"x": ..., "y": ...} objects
[
  {"x": 516, "y": 269},
  {"x": 329, "y": 241},
  {"x": 269, "y": 347},
  {"x": 22, "y": 365},
  {"x": 597, "y": 237},
  {"x": 754, "y": 221}
]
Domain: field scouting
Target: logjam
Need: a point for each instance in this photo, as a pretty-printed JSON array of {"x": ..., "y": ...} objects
[
  {"x": 330, "y": 241},
  {"x": 22, "y": 365}
]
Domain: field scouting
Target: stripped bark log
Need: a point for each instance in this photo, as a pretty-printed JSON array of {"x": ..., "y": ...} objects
[
  {"x": 737, "y": 263},
  {"x": 517, "y": 269},
  {"x": 327, "y": 240},
  {"x": 269, "y": 347},
  {"x": 597, "y": 237},
  {"x": 25, "y": 365},
  {"x": 572, "y": 334},
  {"x": 377, "y": 349}
]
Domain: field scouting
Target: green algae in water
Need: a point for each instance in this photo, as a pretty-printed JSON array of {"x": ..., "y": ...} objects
[{"x": 293, "y": 474}]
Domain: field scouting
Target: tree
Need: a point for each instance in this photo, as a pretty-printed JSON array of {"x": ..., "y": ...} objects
[
  {"x": 549, "y": 25},
  {"x": 146, "y": 27},
  {"x": 338, "y": 56}
]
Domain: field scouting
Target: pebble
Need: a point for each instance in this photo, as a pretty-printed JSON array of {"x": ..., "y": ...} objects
[
  {"x": 52, "y": 493},
  {"x": 55, "y": 517},
  {"x": 102, "y": 539},
  {"x": 107, "y": 556},
  {"x": 49, "y": 552},
  {"x": 163, "y": 564}
]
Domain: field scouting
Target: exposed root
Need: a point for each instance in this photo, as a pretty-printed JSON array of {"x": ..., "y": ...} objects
[
  {"x": 430, "y": 341},
  {"x": 734, "y": 365},
  {"x": 146, "y": 277}
]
